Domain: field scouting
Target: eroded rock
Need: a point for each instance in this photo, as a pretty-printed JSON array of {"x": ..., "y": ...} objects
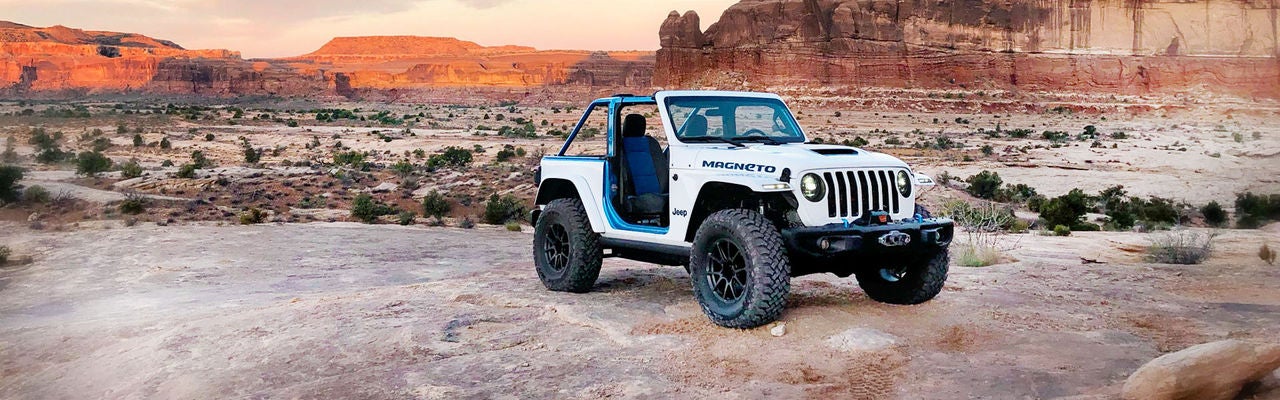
[{"x": 1210, "y": 371}]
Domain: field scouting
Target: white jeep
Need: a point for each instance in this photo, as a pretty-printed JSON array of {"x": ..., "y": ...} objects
[{"x": 739, "y": 199}]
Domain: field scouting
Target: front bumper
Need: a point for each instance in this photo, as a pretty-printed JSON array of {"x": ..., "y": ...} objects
[{"x": 841, "y": 241}]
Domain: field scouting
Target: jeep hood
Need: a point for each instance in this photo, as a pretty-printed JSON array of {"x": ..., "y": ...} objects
[{"x": 798, "y": 157}]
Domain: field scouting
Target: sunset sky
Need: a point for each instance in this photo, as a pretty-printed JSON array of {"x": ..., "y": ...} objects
[{"x": 265, "y": 28}]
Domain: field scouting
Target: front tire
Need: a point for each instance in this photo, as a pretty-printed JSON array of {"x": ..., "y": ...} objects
[
  {"x": 912, "y": 282},
  {"x": 565, "y": 249},
  {"x": 739, "y": 268}
]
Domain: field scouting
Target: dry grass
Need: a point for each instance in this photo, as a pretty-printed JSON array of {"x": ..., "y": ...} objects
[{"x": 1180, "y": 247}]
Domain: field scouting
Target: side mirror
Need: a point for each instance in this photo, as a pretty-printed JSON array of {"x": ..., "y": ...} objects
[{"x": 923, "y": 180}]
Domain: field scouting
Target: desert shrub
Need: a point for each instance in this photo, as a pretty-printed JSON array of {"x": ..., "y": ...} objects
[
  {"x": 252, "y": 155},
  {"x": 467, "y": 223},
  {"x": 47, "y": 149},
  {"x": 165, "y": 144},
  {"x": 1067, "y": 210},
  {"x": 9, "y": 177},
  {"x": 1119, "y": 135},
  {"x": 353, "y": 159},
  {"x": 1253, "y": 211},
  {"x": 1061, "y": 230},
  {"x": 406, "y": 217},
  {"x": 977, "y": 255},
  {"x": 36, "y": 194},
  {"x": 187, "y": 171},
  {"x": 1035, "y": 202},
  {"x": 208, "y": 137},
  {"x": 513, "y": 226},
  {"x": 101, "y": 144},
  {"x": 92, "y": 163},
  {"x": 367, "y": 210},
  {"x": 505, "y": 154},
  {"x": 450, "y": 157},
  {"x": 252, "y": 216},
  {"x": 131, "y": 169},
  {"x": 1015, "y": 193},
  {"x": 501, "y": 209},
  {"x": 138, "y": 141},
  {"x": 133, "y": 204},
  {"x": 986, "y": 217},
  {"x": 1180, "y": 247},
  {"x": 1267, "y": 254},
  {"x": 200, "y": 160},
  {"x": 403, "y": 168},
  {"x": 435, "y": 205},
  {"x": 1020, "y": 133},
  {"x": 5, "y": 253},
  {"x": 1214, "y": 215},
  {"x": 1056, "y": 137},
  {"x": 984, "y": 185}
]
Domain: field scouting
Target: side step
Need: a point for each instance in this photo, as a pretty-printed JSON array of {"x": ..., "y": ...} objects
[{"x": 656, "y": 253}]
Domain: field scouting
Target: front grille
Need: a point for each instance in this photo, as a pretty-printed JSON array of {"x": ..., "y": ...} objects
[{"x": 852, "y": 193}]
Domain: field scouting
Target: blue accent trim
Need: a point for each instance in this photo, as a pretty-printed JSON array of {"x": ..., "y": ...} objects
[
  {"x": 582, "y": 121},
  {"x": 574, "y": 158},
  {"x": 615, "y": 221}
]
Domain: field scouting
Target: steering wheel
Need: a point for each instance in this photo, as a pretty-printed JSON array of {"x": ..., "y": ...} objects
[{"x": 755, "y": 132}]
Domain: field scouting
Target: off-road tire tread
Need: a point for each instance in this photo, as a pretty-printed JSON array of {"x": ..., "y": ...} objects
[
  {"x": 912, "y": 291},
  {"x": 770, "y": 281},
  {"x": 584, "y": 243}
]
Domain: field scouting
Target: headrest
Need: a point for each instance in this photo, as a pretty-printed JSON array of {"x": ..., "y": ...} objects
[
  {"x": 633, "y": 126},
  {"x": 696, "y": 126}
]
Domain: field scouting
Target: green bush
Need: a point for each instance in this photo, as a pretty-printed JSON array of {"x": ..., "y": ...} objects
[
  {"x": 354, "y": 159},
  {"x": 187, "y": 171},
  {"x": 1067, "y": 210},
  {"x": 252, "y": 217},
  {"x": 406, "y": 217},
  {"x": 1214, "y": 215},
  {"x": 36, "y": 194},
  {"x": 92, "y": 163},
  {"x": 1015, "y": 193},
  {"x": 165, "y": 144},
  {"x": 513, "y": 226},
  {"x": 435, "y": 205},
  {"x": 5, "y": 253},
  {"x": 138, "y": 141},
  {"x": 9, "y": 177},
  {"x": 403, "y": 168},
  {"x": 501, "y": 209},
  {"x": 1253, "y": 211},
  {"x": 131, "y": 169},
  {"x": 47, "y": 149},
  {"x": 208, "y": 137},
  {"x": 367, "y": 210},
  {"x": 984, "y": 185},
  {"x": 1061, "y": 230},
  {"x": 985, "y": 217},
  {"x": 450, "y": 157},
  {"x": 133, "y": 204},
  {"x": 252, "y": 155}
]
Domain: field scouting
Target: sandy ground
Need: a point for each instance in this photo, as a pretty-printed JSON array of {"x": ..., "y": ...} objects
[{"x": 358, "y": 311}]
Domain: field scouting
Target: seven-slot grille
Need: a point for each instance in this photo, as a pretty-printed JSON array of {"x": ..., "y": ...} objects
[{"x": 850, "y": 193}]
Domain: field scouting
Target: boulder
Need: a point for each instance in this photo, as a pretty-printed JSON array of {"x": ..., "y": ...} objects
[{"x": 1210, "y": 371}]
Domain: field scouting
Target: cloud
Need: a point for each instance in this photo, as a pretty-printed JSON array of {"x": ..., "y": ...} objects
[{"x": 483, "y": 4}]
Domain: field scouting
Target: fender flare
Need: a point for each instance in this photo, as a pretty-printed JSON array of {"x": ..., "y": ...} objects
[{"x": 552, "y": 188}]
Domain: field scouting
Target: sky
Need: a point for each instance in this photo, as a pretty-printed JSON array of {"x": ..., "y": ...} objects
[{"x": 266, "y": 28}]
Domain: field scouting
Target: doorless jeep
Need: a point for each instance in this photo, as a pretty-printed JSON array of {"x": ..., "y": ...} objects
[{"x": 739, "y": 199}]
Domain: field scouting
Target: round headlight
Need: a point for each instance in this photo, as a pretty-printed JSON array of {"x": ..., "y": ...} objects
[
  {"x": 904, "y": 184},
  {"x": 811, "y": 187}
]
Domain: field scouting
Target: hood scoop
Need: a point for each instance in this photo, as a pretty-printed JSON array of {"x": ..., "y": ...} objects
[{"x": 835, "y": 151}]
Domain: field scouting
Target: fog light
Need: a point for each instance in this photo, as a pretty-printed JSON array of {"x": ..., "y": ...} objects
[{"x": 824, "y": 244}]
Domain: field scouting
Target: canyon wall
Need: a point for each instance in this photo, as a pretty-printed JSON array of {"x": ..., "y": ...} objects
[
  {"x": 66, "y": 62},
  {"x": 1120, "y": 46}
]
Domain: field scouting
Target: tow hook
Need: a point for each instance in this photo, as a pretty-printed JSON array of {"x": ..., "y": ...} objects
[{"x": 895, "y": 239}]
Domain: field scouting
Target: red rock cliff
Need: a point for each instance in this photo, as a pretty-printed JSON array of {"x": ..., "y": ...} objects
[{"x": 1131, "y": 46}]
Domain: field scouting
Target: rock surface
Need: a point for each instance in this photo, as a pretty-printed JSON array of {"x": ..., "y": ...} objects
[
  {"x": 862, "y": 339},
  {"x": 1211, "y": 371},
  {"x": 65, "y": 61},
  {"x": 1122, "y": 47}
]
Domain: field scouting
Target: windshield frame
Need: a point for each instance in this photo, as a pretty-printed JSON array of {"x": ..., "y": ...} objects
[{"x": 666, "y": 101}]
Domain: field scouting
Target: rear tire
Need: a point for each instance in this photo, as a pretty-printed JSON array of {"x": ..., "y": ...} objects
[
  {"x": 915, "y": 282},
  {"x": 739, "y": 268},
  {"x": 565, "y": 249}
]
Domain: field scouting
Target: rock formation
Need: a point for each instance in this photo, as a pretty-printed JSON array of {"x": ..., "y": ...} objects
[
  {"x": 60, "y": 61},
  {"x": 1137, "y": 46}
]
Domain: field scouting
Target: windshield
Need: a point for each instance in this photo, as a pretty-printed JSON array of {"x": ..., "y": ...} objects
[{"x": 737, "y": 119}]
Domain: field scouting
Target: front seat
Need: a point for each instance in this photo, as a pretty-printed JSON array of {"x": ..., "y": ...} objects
[
  {"x": 646, "y": 166},
  {"x": 696, "y": 126}
]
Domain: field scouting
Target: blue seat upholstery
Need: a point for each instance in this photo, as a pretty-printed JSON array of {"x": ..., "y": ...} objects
[{"x": 646, "y": 166}]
